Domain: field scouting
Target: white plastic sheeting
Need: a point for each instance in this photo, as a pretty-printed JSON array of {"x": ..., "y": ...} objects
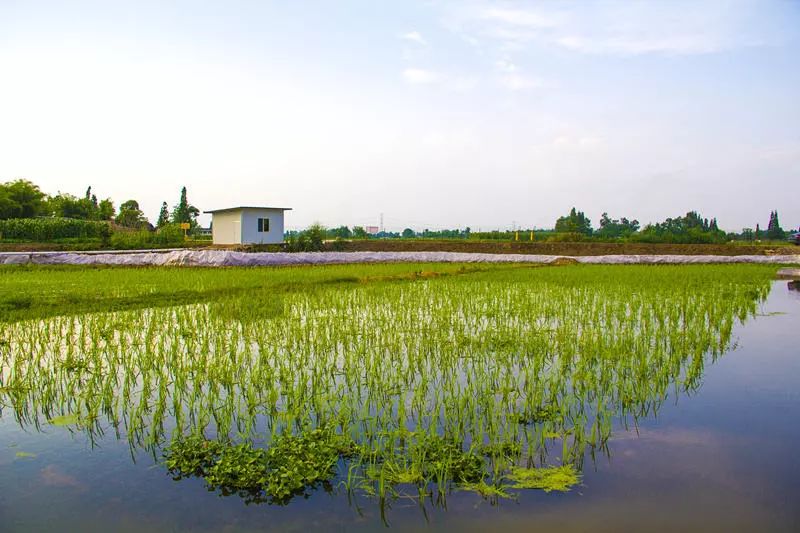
[{"x": 228, "y": 258}]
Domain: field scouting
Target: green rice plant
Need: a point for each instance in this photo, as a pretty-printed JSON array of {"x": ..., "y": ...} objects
[{"x": 397, "y": 380}]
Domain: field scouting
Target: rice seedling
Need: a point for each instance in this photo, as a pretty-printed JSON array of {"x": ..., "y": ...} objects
[{"x": 388, "y": 381}]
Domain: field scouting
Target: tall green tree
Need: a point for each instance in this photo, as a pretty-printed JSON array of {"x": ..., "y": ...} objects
[
  {"x": 185, "y": 212},
  {"x": 774, "y": 230},
  {"x": 163, "y": 216},
  {"x": 575, "y": 222}
]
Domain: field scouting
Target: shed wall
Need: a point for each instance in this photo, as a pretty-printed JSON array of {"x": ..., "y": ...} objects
[
  {"x": 250, "y": 233},
  {"x": 226, "y": 227}
]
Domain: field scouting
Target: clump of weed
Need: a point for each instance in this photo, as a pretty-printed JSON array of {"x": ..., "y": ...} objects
[
  {"x": 550, "y": 478},
  {"x": 489, "y": 492},
  {"x": 291, "y": 466}
]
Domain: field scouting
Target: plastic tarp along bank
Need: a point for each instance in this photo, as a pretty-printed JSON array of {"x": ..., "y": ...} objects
[{"x": 203, "y": 258}]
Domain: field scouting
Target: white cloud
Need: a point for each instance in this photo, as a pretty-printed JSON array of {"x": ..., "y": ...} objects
[
  {"x": 528, "y": 18},
  {"x": 505, "y": 65},
  {"x": 418, "y": 76},
  {"x": 414, "y": 37},
  {"x": 613, "y": 27},
  {"x": 518, "y": 82},
  {"x": 457, "y": 83}
]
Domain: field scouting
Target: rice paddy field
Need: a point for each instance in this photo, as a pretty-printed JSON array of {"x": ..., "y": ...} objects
[{"x": 403, "y": 396}]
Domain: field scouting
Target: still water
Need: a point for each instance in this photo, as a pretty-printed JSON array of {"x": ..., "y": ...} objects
[{"x": 723, "y": 458}]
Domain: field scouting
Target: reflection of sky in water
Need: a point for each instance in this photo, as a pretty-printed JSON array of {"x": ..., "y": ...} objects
[{"x": 722, "y": 459}]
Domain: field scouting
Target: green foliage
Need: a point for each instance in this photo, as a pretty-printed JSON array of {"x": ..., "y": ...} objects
[
  {"x": 87, "y": 208},
  {"x": 691, "y": 228},
  {"x": 342, "y": 232},
  {"x": 616, "y": 228},
  {"x": 50, "y": 229},
  {"x": 550, "y": 478},
  {"x": 292, "y": 465},
  {"x": 774, "y": 230},
  {"x": 575, "y": 222},
  {"x": 440, "y": 456},
  {"x": 310, "y": 240},
  {"x": 21, "y": 199},
  {"x": 184, "y": 211},
  {"x": 163, "y": 216},
  {"x": 105, "y": 209},
  {"x": 167, "y": 236},
  {"x": 131, "y": 216}
]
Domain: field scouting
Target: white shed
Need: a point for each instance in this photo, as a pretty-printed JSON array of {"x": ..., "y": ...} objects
[{"x": 247, "y": 225}]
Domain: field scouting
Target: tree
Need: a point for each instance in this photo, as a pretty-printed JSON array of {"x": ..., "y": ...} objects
[
  {"x": 408, "y": 233},
  {"x": 315, "y": 234},
  {"x": 21, "y": 199},
  {"x": 614, "y": 228},
  {"x": 131, "y": 216},
  {"x": 774, "y": 230},
  {"x": 69, "y": 206},
  {"x": 342, "y": 232},
  {"x": 691, "y": 228},
  {"x": 184, "y": 212},
  {"x": 575, "y": 222},
  {"x": 163, "y": 216},
  {"x": 105, "y": 209},
  {"x": 359, "y": 232}
]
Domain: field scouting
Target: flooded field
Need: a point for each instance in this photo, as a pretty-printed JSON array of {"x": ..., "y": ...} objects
[{"x": 473, "y": 397}]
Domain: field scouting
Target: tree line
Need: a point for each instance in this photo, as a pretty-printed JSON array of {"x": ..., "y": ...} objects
[
  {"x": 22, "y": 199},
  {"x": 690, "y": 228}
]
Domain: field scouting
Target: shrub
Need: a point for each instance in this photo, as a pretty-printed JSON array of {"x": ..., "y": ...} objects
[
  {"x": 50, "y": 229},
  {"x": 169, "y": 235}
]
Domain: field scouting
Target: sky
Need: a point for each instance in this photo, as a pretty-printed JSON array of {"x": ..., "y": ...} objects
[{"x": 436, "y": 114}]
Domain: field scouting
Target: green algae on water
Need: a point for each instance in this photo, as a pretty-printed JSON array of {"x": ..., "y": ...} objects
[{"x": 548, "y": 478}]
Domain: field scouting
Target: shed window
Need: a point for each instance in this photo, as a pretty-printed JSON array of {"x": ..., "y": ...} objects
[{"x": 263, "y": 225}]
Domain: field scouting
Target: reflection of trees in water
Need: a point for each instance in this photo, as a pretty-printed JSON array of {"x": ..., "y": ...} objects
[
  {"x": 794, "y": 285},
  {"x": 512, "y": 368}
]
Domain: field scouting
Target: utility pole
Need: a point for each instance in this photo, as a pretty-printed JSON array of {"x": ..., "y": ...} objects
[{"x": 382, "y": 229}]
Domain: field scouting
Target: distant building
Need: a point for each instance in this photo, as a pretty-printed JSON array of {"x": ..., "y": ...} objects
[
  {"x": 372, "y": 230},
  {"x": 247, "y": 225}
]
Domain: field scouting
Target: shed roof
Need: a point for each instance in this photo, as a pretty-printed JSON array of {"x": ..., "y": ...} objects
[{"x": 247, "y": 207}]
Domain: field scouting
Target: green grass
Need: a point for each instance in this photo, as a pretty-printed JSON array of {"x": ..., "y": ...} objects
[{"x": 384, "y": 380}]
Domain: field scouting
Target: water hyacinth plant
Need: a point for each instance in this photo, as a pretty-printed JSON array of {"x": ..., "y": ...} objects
[{"x": 381, "y": 380}]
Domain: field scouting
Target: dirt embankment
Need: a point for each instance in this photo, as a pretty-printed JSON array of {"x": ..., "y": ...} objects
[{"x": 560, "y": 248}]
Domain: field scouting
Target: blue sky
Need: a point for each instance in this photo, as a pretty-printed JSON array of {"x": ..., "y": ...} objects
[{"x": 437, "y": 114}]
